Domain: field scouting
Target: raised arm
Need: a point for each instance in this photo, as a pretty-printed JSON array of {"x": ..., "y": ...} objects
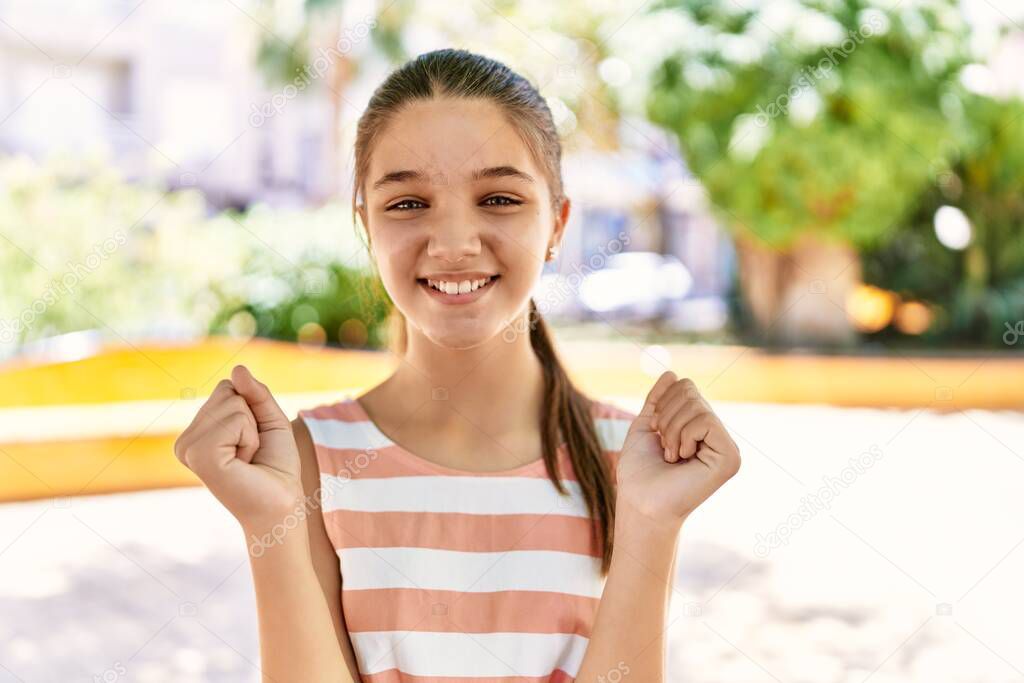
[
  {"x": 325, "y": 558},
  {"x": 675, "y": 455},
  {"x": 242, "y": 446}
]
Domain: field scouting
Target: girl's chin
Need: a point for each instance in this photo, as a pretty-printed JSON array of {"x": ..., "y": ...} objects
[{"x": 460, "y": 340}]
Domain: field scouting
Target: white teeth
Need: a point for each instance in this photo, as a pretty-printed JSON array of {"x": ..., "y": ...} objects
[{"x": 463, "y": 287}]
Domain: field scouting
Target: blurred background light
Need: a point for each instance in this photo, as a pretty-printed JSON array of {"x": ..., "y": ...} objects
[{"x": 952, "y": 227}]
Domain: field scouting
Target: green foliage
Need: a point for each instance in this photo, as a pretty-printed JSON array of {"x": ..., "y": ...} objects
[
  {"x": 344, "y": 305},
  {"x": 298, "y": 267},
  {"x": 83, "y": 248},
  {"x": 284, "y": 52},
  {"x": 992, "y": 176},
  {"x": 320, "y": 5},
  {"x": 282, "y": 61},
  {"x": 790, "y": 135},
  {"x": 977, "y": 292}
]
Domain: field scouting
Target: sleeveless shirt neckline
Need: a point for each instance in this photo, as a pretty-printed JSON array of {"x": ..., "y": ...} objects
[{"x": 533, "y": 464}]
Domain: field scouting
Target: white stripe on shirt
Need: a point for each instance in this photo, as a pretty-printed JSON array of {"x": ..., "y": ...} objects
[
  {"x": 442, "y": 493},
  {"x": 424, "y": 653},
  {"x": 471, "y": 572}
]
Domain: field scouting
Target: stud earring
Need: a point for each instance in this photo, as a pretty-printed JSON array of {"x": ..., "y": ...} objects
[{"x": 552, "y": 253}]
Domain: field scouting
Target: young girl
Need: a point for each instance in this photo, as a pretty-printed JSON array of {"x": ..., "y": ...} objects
[{"x": 474, "y": 517}]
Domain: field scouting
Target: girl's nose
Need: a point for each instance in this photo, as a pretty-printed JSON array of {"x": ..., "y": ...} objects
[{"x": 454, "y": 241}]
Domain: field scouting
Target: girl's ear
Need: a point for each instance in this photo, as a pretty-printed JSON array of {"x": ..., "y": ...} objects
[{"x": 561, "y": 220}]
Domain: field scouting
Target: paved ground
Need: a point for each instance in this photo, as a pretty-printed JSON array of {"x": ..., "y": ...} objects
[{"x": 912, "y": 573}]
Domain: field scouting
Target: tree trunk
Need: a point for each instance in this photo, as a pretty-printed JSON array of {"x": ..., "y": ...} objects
[{"x": 797, "y": 296}]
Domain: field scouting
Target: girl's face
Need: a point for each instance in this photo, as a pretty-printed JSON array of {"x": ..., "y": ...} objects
[{"x": 460, "y": 219}]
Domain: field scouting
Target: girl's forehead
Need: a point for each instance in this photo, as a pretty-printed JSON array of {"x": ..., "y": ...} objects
[{"x": 453, "y": 137}]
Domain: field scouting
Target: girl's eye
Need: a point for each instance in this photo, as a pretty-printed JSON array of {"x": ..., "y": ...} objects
[
  {"x": 506, "y": 201},
  {"x": 496, "y": 200},
  {"x": 398, "y": 206}
]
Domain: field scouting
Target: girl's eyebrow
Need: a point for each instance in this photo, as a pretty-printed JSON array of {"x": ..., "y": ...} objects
[
  {"x": 479, "y": 174},
  {"x": 399, "y": 177},
  {"x": 501, "y": 172}
]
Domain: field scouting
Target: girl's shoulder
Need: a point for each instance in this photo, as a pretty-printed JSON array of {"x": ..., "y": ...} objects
[
  {"x": 342, "y": 424},
  {"x": 345, "y": 409}
]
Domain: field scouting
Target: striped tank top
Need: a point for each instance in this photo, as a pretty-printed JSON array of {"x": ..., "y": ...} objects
[{"x": 451, "y": 576}]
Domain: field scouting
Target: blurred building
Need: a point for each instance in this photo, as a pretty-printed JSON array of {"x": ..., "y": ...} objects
[
  {"x": 167, "y": 90},
  {"x": 675, "y": 265}
]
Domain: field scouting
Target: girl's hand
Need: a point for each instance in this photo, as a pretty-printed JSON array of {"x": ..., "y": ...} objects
[
  {"x": 676, "y": 453},
  {"x": 241, "y": 446}
]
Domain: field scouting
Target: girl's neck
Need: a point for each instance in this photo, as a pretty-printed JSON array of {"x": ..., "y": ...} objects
[{"x": 497, "y": 386}]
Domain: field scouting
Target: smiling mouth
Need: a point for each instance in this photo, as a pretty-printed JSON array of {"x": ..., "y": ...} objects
[{"x": 453, "y": 288}]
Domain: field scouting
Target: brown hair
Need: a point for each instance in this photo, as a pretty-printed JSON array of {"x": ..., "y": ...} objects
[{"x": 567, "y": 411}]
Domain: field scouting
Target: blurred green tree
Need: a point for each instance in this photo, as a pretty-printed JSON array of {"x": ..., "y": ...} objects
[
  {"x": 814, "y": 127},
  {"x": 974, "y": 289}
]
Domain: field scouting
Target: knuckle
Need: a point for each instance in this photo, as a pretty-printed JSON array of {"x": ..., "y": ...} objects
[
  {"x": 232, "y": 420},
  {"x": 238, "y": 404},
  {"x": 244, "y": 423},
  {"x": 188, "y": 457},
  {"x": 183, "y": 439}
]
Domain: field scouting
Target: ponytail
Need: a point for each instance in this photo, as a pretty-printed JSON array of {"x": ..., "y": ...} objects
[{"x": 568, "y": 411}]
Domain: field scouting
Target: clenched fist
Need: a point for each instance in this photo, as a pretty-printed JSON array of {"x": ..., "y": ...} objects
[
  {"x": 241, "y": 445},
  {"x": 676, "y": 453}
]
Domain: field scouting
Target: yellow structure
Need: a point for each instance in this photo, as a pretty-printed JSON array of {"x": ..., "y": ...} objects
[{"x": 107, "y": 422}]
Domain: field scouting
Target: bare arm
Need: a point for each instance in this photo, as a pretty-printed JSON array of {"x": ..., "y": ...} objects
[
  {"x": 676, "y": 454},
  {"x": 298, "y": 637},
  {"x": 245, "y": 451},
  {"x": 325, "y": 559},
  {"x": 298, "y": 590},
  {"x": 629, "y": 629}
]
